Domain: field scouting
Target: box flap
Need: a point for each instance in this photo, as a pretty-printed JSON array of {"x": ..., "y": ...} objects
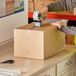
[{"x": 44, "y": 27}]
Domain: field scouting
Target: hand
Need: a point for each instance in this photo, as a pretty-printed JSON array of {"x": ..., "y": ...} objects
[
  {"x": 44, "y": 10},
  {"x": 58, "y": 24}
]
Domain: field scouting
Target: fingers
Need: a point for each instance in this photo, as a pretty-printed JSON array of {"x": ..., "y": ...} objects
[
  {"x": 44, "y": 10},
  {"x": 56, "y": 24}
]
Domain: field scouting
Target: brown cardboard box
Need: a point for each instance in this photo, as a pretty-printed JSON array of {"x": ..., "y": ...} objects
[
  {"x": 30, "y": 6},
  {"x": 69, "y": 39},
  {"x": 38, "y": 42}
]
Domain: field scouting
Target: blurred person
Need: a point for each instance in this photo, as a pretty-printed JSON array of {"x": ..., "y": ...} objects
[{"x": 62, "y": 5}]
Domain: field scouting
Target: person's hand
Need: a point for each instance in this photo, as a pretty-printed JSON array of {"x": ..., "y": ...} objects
[
  {"x": 58, "y": 24},
  {"x": 44, "y": 10}
]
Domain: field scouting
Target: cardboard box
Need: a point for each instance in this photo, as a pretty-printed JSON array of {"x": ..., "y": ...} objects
[
  {"x": 30, "y": 6},
  {"x": 38, "y": 42},
  {"x": 70, "y": 39}
]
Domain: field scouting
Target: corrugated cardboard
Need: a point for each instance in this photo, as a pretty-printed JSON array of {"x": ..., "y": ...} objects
[
  {"x": 30, "y": 6},
  {"x": 69, "y": 39},
  {"x": 38, "y": 42}
]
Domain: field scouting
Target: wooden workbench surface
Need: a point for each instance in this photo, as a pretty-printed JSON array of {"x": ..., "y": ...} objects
[{"x": 36, "y": 66}]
